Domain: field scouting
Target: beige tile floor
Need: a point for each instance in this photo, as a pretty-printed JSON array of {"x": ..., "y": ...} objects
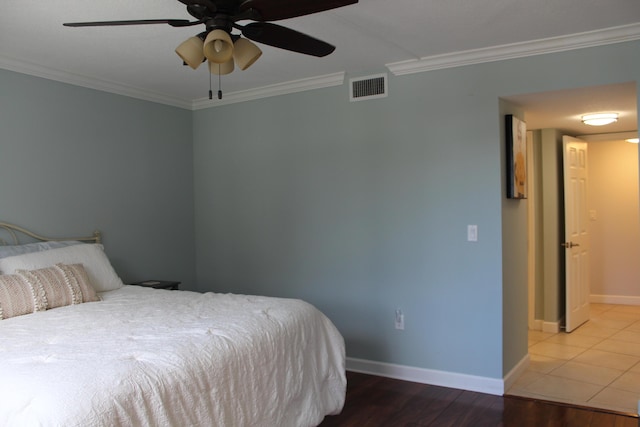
[{"x": 597, "y": 365}]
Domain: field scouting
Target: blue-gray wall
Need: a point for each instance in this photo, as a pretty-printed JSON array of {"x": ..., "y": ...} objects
[
  {"x": 362, "y": 208},
  {"x": 359, "y": 208},
  {"x": 73, "y": 160}
]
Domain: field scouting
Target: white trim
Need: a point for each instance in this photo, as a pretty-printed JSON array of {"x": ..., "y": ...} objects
[
  {"x": 428, "y": 376},
  {"x": 317, "y": 82},
  {"x": 449, "y": 60},
  {"x": 615, "y": 299},
  {"x": 328, "y": 80},
  {"x": 552, "y": 327},
  {"x": 516, "y": 372},
  {"x": 531, "y": 232},
  {"x": 90, "y": 82},
  {"x": 537, "y": 325},
  {"x": 541, "y": 325},
  {"x": 518, "y": 50}
]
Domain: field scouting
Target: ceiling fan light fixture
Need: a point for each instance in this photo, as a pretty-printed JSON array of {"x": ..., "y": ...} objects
[
  {"x": 218, "y": 46},
  {"x": 245, "y": 53},
  {"x": 600, "y": 119},
  {"x": 191, "y": 51},
  {"x": 221, "y": 69}
]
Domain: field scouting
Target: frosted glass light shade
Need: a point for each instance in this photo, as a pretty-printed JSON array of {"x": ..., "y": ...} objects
[
  {"x": 599, "y": 119},
  {"x": 191, "y": 51},
  {"x": 245, "y": 53},
  {"x": 218, "y": 46},
  {"x": 221, "y": 69}
]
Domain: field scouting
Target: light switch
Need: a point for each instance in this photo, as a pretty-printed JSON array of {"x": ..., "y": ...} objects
[{"x": 472, "y": 233}]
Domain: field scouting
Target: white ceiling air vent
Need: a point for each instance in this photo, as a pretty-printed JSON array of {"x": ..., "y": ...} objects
[{"x": 369, "y": 87}]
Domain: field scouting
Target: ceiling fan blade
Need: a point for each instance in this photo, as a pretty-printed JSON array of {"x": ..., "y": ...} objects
[
  {"x": 285, "y": 38},
  {"x": 275, "y": 10},
  {"x": 172, "y": 22}
]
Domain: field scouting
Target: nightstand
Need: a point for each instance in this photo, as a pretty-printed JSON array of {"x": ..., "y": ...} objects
[{"x": 158, "y": 284}]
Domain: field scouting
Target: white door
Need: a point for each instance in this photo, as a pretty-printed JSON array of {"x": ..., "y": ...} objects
[{"x": 576, "y": 236}]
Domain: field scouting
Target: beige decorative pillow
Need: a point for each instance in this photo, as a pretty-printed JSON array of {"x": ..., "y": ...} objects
[
  {"x": 75, "y": 273},
  {"x": 28, "y": 291},
  {"x": 16, "y": 298}
]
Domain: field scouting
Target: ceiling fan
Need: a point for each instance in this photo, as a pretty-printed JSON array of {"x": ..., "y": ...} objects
[{"x": 221, "y": 48}]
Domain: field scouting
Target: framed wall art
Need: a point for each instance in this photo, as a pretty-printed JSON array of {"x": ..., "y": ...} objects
[{"x": 516, "y": 136}]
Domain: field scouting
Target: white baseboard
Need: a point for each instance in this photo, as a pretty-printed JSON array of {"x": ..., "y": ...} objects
[
  {"x": 518, "y": 370},
  {"x": 553, "y": 327},
  {"x": 541, "y": 325},
  {"x": 537, "y": 325},
  {"x": 429, "y": 376},
  {"x": 614, "y": 299}
]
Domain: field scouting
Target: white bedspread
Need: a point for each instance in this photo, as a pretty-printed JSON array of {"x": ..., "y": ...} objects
[{"x": 171, "y": 358}]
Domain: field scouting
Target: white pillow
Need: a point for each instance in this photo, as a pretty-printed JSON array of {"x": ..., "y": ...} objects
[
  {"x": 27, "y": 248},
  {"x": 91, "y": 256}
]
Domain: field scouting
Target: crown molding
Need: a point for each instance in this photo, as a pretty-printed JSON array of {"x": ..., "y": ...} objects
[
  {"x": 457, "y": 59},
  {"x": 90, "y": 83},
  {"x": 328, "y": 80},
  {"x": 518, "y": 50},
  {"x": 310, "y": 83}
]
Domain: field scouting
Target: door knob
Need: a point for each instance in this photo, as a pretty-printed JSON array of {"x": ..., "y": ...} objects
[{"x": 569, "y": 245}]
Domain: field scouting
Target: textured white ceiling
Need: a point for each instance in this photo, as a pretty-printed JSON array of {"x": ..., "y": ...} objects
[{"x": 368, "y": 35}]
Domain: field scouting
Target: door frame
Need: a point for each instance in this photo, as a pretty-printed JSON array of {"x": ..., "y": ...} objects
[{"x": 531, "y": 233}]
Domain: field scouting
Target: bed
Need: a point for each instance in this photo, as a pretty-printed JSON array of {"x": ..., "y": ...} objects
[{"x": 132, "y": 356}]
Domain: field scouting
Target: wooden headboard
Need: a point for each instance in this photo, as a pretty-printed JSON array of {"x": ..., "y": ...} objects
[{"x": 12, "y": 233}]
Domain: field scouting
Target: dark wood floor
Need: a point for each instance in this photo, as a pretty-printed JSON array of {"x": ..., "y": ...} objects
[{"x": 377, "y": 401}]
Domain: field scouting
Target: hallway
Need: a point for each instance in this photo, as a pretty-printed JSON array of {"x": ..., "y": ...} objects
[{"x": 597, "y": 365}]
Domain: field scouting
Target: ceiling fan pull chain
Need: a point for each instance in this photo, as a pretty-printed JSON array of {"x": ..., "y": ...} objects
[
  {"x": 210, "y": 91},
  {"x": 219, "y": 84}
]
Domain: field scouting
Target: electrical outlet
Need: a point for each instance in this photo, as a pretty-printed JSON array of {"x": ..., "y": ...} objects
[{"x": 399, "y": 319}]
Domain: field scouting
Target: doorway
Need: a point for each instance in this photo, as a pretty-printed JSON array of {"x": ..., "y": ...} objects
[
  {"x": 546, "y": 297},
  {"x": 549, "y": 116},
  {"x": 613, "y": 212}
]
